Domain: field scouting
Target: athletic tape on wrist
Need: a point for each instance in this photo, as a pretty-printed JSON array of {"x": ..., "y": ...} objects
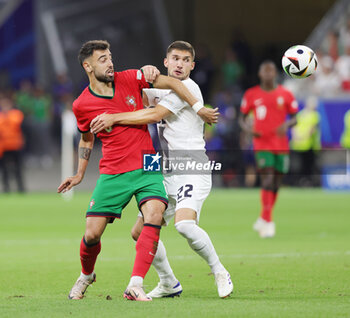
[{"x": 197, "y": 106}]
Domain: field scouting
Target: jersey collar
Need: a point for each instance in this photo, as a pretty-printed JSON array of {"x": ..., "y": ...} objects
[{"x": 102, "y": 96}]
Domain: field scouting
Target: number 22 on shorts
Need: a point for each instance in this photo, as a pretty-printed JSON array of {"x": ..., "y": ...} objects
[{"x": 184, "y": 192}]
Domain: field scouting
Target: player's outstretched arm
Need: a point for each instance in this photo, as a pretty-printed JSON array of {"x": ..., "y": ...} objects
[
  {"x": 208, "y": 115},
  {"x": 85, "y": 147},
  {"x": 167, "y": 82},
  {"x": 139, "y": 117}
]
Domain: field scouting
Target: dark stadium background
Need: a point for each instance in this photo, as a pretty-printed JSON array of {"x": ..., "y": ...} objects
[{"x": 39, "y": 40}]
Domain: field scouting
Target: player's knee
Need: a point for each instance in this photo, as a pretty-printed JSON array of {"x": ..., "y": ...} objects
[
  {"x": 153, "y": 212},
  {"x": 267, "y": 183},
  {"x": 185, "y": 227},
  {"x": 92, "y": 237}
]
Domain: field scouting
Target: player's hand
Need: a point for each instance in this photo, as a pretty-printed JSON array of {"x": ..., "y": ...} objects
[
  {"x": 101, "y": 122},
  {"x": 150, "y": 73},
  {"x": 282, "y": 130},
  {"x": 69, "y": 183},
  {"x": 209, "y": 115}
]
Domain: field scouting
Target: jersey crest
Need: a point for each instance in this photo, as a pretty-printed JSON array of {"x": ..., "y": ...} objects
[
  {"x": 131, "y": 101},
  {"x": 280, "y": 101}
]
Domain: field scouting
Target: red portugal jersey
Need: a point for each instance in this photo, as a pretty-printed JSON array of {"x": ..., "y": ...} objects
[
  {"x": 270, "y": 109},
  {"x": 122, "y": 146}
]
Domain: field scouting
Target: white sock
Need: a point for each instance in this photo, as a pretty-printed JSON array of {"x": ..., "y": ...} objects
[
  {"x": 162, "y": 266},
  {"x": 136, "y": 281},
  {"x": 86, "y": 277},
  {"x": 200, "y": 242}
]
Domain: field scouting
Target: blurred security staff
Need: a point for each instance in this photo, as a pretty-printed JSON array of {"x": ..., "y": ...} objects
[{"x": 12, "y": 142}]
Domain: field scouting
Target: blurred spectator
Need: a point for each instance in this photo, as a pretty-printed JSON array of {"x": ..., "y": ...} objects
[
  {"x": 305, "y": 142},
  {"x": 62, "y": 86},
  {"x": 24, "y": 100},
  {"x": 12, "y": 143},
  {"x": 342, "y": 67},
  {"x": 244, "y": 54},
  {"x": 344, "y": 37},
  {"x": 327, "y": 82},
  {"x": 330, "y": 45},
  {"x": 231, "y": 69},
  {"x": 227, "y": 136},
  {"x": 62, "y": 91},
  {"x": 42, "y": 114},
  {"x": 204, "y": 71},
  {"x": 345, "y": 137}
]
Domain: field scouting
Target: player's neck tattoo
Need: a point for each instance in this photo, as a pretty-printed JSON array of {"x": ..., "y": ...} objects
[{"x": 84, "y": 153}]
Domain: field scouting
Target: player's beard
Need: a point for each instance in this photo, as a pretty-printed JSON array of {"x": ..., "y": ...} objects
[{"x": 104, "y": 78}]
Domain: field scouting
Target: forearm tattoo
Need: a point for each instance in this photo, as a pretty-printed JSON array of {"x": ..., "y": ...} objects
[{"x": 84, "y": 153}]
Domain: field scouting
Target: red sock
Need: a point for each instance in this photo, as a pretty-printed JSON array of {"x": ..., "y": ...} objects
[
  {"x": 146, "y": 248},
  {"x": 88, "y": 256},
  {"x": 267, "y": 199}
]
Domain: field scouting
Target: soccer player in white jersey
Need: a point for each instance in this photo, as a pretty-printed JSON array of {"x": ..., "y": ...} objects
[{"x": 182, "y": 130}]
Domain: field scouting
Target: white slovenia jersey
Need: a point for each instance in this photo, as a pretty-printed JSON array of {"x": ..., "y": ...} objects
[{"x": 183, "y": 129}]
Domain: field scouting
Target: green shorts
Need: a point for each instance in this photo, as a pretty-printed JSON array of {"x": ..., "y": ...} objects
[
  {"x": 113, "y": 192},
  {"x": 266, "y": 159}
]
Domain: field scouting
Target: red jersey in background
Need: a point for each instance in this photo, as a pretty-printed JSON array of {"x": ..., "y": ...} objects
[{"x": 270, "y": 109}]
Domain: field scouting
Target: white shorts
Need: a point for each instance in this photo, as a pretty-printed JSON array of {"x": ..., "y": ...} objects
[{"x": 186, "y": 191}]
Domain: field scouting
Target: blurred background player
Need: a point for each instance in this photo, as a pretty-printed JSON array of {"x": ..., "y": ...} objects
[
  {"x": 120, "y": 166},
  {"x": 12, "y": 143},
  {"x": 270, "y": 104},
  {"x": 181, "y": 135}
]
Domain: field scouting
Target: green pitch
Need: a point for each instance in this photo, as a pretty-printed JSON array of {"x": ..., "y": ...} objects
[{"x": 303, "y": 272}]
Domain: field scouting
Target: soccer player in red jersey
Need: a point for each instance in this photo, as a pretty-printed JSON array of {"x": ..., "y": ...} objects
[
  {"x": 270, "y": 104},
  {"x": 121, "y": 175}
]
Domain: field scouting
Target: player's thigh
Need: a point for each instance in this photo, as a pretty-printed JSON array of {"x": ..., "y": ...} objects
[{"x": 185, "y": 214}]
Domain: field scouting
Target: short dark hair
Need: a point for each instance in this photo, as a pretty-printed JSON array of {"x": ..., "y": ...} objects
[
  {"x": 182, "y": 46},
  {"x": 89, "y": 47},
  {"x": 268, "y": 61}
]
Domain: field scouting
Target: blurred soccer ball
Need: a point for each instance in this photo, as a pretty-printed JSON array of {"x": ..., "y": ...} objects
[{"x": 299, "y": 61}]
